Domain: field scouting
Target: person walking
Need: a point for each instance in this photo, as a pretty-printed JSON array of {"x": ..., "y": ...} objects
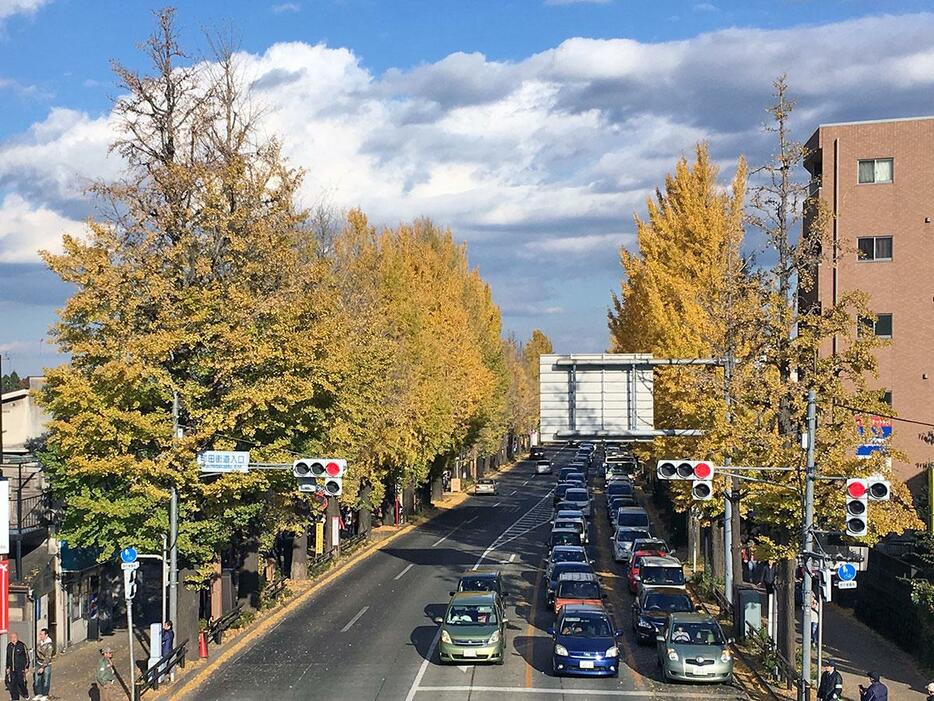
[
  {"x": 17, "y": 665},
  {"x": 831, "y": 683},
  {"x": 42, "y": 679},
  {"x": 107, "y": 675},
  {"x": 815, "y": 612},
  {"x": 876, "y": 691}
]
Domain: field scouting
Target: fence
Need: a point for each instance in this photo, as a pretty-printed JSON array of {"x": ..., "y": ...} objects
[
  {"x": 149, "y": 680},
  {"x": 322, "y": 562}
]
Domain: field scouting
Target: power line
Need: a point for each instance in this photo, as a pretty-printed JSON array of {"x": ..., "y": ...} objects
[
  {"x": 886, "y": 416},
  {"x": 241, "y": 439}
]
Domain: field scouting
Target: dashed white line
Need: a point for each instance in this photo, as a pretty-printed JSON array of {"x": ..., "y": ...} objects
[
  {"x": 513, "y": 492},
  {"x": 421, "y": 670},
  {"x": 512, "y": 557},
  {"x": 578, "y": 692},
  {"x": 402, "y": 573},
  {"x": 354, "y": 619},
  {"x": 438, "y": 542}
]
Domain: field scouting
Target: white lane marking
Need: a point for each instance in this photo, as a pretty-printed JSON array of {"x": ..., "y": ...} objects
[
  {"x": 583, "y": 692},
  {"x": 354, "y": 619},
  {"x": 450, "y": 533},
  {"x": 463, "y": 668},
  {"x": 531, "y": 512},
  {"x": 496, "y": 504},
  {"x": 525, "y": 483},
  {"x": 513, "y": 492},
  {"x": 402, "y": 573},
  {"x": 421, "y": 670},
  {"x": 512, "y": 557}
]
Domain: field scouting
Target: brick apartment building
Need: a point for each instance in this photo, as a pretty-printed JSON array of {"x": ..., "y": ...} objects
[{"x": 878, "y": 179}]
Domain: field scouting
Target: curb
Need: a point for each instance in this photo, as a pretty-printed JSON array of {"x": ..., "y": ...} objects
[{"x": 269, "y": 622}]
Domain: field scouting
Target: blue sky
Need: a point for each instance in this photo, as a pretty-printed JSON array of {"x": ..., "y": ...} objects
[{"x": 533, "y": 128}]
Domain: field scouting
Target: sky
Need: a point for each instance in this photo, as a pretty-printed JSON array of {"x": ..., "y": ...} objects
[{"x": 534, "y": 129}]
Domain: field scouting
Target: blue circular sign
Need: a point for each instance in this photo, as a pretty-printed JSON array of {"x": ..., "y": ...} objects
[
  {"x": 846, "y": 571},
  {"x": 128, "y": 555}
]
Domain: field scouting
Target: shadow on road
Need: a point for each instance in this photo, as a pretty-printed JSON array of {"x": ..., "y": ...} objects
[
  {"x": 534, "y": 650},
  {"x": 421, "y": 639}
]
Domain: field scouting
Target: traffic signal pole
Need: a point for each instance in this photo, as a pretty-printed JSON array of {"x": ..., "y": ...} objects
[
  {"x": 173, "y": 525},
  {"x": 807, "y": 540},
  {"x": 728, "y": 514}
]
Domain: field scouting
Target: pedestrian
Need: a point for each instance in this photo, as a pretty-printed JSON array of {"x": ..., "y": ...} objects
[
  {"x": 815, "y": 612},
  {"x": 17, "y": 665},
  {"x": 751, "y": 565},
  {"x": 106, "y": 675},
  {"x": 168, "y": 639},
  {"x": 831, "y": 683},
  {"x": 930, "y": 690},
  {"x": 42, "y": 680},
  {"x": 768, "y": 576},
  {"x": 744, "y": 553},
  {"x": 876, "y": 691}
]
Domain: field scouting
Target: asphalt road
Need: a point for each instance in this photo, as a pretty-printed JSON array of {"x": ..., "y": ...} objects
[{"x": 370, "y": 634}]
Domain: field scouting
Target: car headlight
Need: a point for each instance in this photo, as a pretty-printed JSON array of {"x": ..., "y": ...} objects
[
  {"x": 560, "y": 650},
  {"x": 445, "y": 637},
  {"x": 672, "y": 655},
  {"x": 493, "y": 638},
  {"x": 613, "y": 652},
  {"x": 726, "y": 656}
]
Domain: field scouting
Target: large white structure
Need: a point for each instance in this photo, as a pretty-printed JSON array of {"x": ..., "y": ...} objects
[{"x": 23, "y": 418}]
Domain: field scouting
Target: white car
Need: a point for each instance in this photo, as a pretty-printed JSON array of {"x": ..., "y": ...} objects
[
  {"x": 485, "y": 486},
  {"x": 622, "y": 542},
  {"x": 543, "y": 467}
]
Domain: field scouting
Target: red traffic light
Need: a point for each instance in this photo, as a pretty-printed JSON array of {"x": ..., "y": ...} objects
[
  {"x": 333, "y": 469},
  {"x": 702, "y": 470},
  {"x": 856, "y": 489}
]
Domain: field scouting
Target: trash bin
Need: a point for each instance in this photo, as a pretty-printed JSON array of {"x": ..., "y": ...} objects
[{"x": 747, "y": 610}]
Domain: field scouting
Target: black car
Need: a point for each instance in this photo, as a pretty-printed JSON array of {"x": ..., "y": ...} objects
[
  {"x": 557, "y": 570},
  {"x": 652, "y": 607},
  {"x": 481, "y": 580},
  {"x": 536, "y": 452}
]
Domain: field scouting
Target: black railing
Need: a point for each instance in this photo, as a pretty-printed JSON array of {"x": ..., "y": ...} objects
[
  {"x": 275, "y": 588},
  {"x": 216, "y": 628},
  {"x": 152, "y": 677}
]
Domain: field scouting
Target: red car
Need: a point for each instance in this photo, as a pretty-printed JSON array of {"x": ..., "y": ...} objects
[{"x": 635, "y": 564}]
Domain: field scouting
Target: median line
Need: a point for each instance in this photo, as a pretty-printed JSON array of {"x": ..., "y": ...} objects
[
  {"x": 402, "y": 573},
  {"x": 354, "y": 619}
]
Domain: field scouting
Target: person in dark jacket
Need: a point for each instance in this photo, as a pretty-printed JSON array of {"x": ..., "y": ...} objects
[
  {"x": 876, "y": 691},
  {"x": 831, "y": 683},
  {"x": 168, "y": 639},
  {"x": 17, "y": 665}
]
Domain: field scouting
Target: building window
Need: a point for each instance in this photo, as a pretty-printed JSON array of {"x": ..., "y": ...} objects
[
  {"x": 880, "y": 325},
  {"x": 876, "y": 170},
  {"x": 874, "y": 247},
  {"x": 887, "y": 397}
]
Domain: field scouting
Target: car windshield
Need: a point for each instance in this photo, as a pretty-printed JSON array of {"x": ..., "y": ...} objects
[
  {"x": 486, "y": 482},
  {"x": 626, "y": 535},
  {"x": 477, "y": 584},
  {"x": 619, "y": 489},
  {"x": 576, "y": 495},
  {"x": 661, "y": 575},
  {"x": 585, "y": 627},
  {"x": 568, "y": 556},
  {"x": 564, "y": 567},
  {"x": 696, "y": 634},
  {"x": 565, "y": 538},
  {"x": 573, "y": 525},
  {"x": 642, "y": 544},
  {"x": 471, "y": 615},
  {"x": 578, "y": 590},
  {"x": 632, "y": 519},
  {"x": 668, "y": 602}
]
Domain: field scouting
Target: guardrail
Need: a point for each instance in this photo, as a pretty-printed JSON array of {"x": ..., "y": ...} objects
[
  {"x": 150, "y": 679},
  {"x": 275, "y": 588},
  {"x": 217, "y": 627},
  {"x": 322, "y": 562}
]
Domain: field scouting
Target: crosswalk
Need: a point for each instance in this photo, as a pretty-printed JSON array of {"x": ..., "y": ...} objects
[{"x": 536, "y": 517}]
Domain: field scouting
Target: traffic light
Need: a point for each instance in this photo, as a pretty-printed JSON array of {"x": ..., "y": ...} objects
[
  {"x": 857, "y": 522},
  {"x": 878, "y": 488},
  {"x": 702, "y": 488},
  {"x": 826, "y": 584},
  {"x": 334, "y": 477},
  {"x": 699, "y": 471},
  {"x": 320, "y": 475}
]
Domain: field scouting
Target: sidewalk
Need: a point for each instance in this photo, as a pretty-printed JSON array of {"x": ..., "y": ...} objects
[
  {"x": 857, "y": 649},
  {"x": 73, "y": 671}
]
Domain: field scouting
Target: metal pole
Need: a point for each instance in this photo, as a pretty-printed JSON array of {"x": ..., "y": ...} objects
[
  {"x": 807, "y": 539},
  {"x": 820, "y": 635},
  {"x": 19, "y": 524},
  {"x": 131, "y": 682},
  {"x": 173, "y": 525},
  {"x": 165, "y": 575}
]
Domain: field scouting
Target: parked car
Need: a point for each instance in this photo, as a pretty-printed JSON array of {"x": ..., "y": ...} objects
[
  {"x": 631, "y": 517},
  {"x": 543, "y": 467},
  {"x": 576, "y": 477},
  {"x": 651, "y": 609},
  {"x": 578, "y": 588},
  {"x": 485, "y": 486},
  {"x": 579, "y": 497},
  {"x": 557, "y": 569},
  {"x": 621, "y": 488},
  {"x": 692, "y": 647},
  {"x": 584, "y": 642},
  {"x": 661, "y": 572},
  {"x": 483, "y": 579},
  {"x": 473, "y": 629},
  {"x": 560, "y": 489},
  {"x": 622, "y": 542},
  {"x": 565, "y": 471}
]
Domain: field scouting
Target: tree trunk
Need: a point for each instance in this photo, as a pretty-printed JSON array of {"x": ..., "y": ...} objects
[
  {"x": 736, "y": 531},
  {"x": 785, "y": 591},
  {"x": 299, "y": 569},
  {"x": 717, "y": 559}
]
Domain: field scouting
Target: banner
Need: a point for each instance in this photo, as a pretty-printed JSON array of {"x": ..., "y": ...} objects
[
  {"x": 4, "y": 517},
  {"x": 319, "y": 538},
  {"x": 4, "y": 596}
]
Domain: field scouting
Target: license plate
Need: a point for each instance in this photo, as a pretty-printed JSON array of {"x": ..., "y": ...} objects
[
  {"x": 702, "y": 671},
  {"x": 586, "y": 664},
  {"x": 470, "y": 653}
]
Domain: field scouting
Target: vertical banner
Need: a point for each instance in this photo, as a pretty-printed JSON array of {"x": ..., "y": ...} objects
[
  {"x": 319, "y": 538},
  {"x": 335, "y": 531},
  {"x": 4, "y": 517},
  {"x": 4, "y": 596}
]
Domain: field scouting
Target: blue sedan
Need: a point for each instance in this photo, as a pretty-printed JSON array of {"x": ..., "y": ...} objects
[{"x": 585, "y": 642}]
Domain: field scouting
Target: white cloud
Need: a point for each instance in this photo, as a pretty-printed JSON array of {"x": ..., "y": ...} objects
[
  {"x": 577, "y": 2},
  {"x": 705, "y": 7},
  {"x": 25, "y": 229},
  {"x": 546, "y": 156},
  {"x": 8, "y": 8},
  {"x": 286, "y": 7}
]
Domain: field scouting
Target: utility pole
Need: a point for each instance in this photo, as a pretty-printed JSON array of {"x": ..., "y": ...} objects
[
  {"x": 807, "y": 541},
  {"x": 728, "y": 514},
  {"x": 173, "y": 525}
]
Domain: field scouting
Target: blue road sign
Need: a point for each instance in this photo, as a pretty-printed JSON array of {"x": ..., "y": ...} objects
[
  {"x": 128, "y": 555},
  {"x": 846, "y": 571}
]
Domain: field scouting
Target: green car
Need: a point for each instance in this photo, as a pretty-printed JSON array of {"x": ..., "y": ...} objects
[
  {"x": 473, "y": 628},
  {"x": 691, "y": 647}
]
